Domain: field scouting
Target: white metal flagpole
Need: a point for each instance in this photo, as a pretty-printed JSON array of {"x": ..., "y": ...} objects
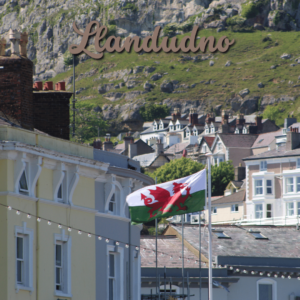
[{"x": 210, "y": 286}]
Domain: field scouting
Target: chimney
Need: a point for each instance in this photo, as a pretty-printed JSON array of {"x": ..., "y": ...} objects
[
  {"x": 240, "y": 119},
  {"x": 193, "y": 117},
  {"x": 97, "y": 144},
  {"x": 48, "y": 86},
  {"x": 132, "y": 149},
  {"x": 292, "y": 139},
  {"x": 159, "y": 147},
  {"x": 289, "y": 121},
  {"x": 239, "y": 173},
  {"x": 224, "y": 117},
  {"x": 258, "y": 123},
  {"x": 210, "y": 117},
  {"x": 127, "y": 139},
  {"x": 14, "y": 37},
  {"x": 23, "y": 44},
  {"x": 107, "y": 145},
  {"x": 176, "y": 114},
  {"x": 2, "y": 46}
]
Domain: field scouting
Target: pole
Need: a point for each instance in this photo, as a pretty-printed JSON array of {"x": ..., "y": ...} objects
[
  {"x": 210, "y": 287},
  {"x": 182, "y": 255},
  {"x": 156, "y": 230},
  {"x": 188, "y": 285},
  {"x": 159, "y": 287},
  {"x": 73, "y": 132},
  {"x": 129, "y": 260},
  {"x": 200, "y": 253},
  {"x": 165, "y": 275}
]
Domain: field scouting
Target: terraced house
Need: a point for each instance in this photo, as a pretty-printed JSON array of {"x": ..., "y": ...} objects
[{"x": 64, "y": 224}]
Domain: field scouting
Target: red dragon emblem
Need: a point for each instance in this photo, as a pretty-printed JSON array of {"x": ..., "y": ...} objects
[{"x": 165, "y": 200}]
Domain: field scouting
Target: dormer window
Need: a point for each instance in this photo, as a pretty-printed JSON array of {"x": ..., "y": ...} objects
[
  {"x": 212, "y": 129},
  {"x": 171, "y": 127},
  {"x": 178, "y": 127},
  {"x": 245, "y": 131},
  {"x": 195, "y": 132},
  {"x": 236, "y": 131},
  {"x": 23, "y": 183},
  {"x": 206, "y": 129},
  {"x": 187, "y": 133},
  {"x": 161, "y": 126}
]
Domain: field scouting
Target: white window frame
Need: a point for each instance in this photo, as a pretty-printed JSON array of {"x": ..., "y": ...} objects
[
  {"x": 219, "y": 146},
  {"x": 261, "y": 212},
  {"x": 269, "y": 210},
  {"x": 298, "y": 208},
  {"x": 214, "y": 210},
  {"x": 288, "y": 184},
  {"x": 119, "y": 271},
  {"x": 204, "y": 150},
  {"x": 66, "y": 242},
  {"x": 298, "y": 163},
  {"x": 27, "y": 235},
  {"x": 26, "y": 171},
  {"x": 206, "y": 129},
  {"x": 112, "y": 203},
  {"x": 288, "y": 209},
  {"x": 263, "y": 165},
  {"x": 234, "y": 208},
  {"x": 245, "y": 131},
  {"x": 212, "y": 129},
  {"x": 236, "y": 131},
  {"x": 269, "y": 186},
  {"x": 267, "y": 281},
  {"x": 261, "y": 186}
]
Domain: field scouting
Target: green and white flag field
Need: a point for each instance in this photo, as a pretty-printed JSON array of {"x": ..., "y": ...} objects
[{"x": 180, "y": 196}]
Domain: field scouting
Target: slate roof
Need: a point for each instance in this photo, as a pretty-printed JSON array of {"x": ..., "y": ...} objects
[
  {"x": 265, "y": 139},
  {"x": 176, "y": 148},
  {"x": 237, "y": 184},
  {"x": 167, "y": 244},
  {"x": 280, "y": 152},
  {"x": 238, "y": 140},
  {"x": 145, "y": 159},
  {"x": 150, "y": 130},
  {"x": 282, "y": 241},
  {"x": 233, "y": 198}
]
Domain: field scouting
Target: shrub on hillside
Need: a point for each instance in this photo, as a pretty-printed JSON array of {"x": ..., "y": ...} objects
[{"x": 149, "y": 112}]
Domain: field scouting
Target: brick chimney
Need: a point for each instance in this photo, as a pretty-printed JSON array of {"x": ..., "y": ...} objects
[
  {"x": 240, "y": 119},
  {"x": 292, "y": 139},
  {"x": 23, "y": 44},
  {"x": 224, "y": 117},
  {"x": 159, "y": 147},
  {"x": 107, "y": 145},
  {"x": 239, "y": 173},
  {"x": 132, "y": 149},
  {"x": 97, "y": 144},
  {"x": 193, "y": 117},
  {"x": 258, "y": 123},
  {"x": 210, "y": 117}
]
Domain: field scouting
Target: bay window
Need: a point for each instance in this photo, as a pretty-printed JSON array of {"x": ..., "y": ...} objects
[
  {"x": 258, "y": 211},
  {"x": 258, "y": 183},
  {"x": 298, "y": 208},
  {"x": 298, "y": 184},
  {"x": 290, "y": 184},
  {"x": 290, "y": 209},
  {"x": 269, "y": 186},
  {"x": 269, "y": 211}
]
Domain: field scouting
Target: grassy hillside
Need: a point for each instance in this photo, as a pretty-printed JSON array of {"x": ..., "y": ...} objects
[{"x": 252, "y": 56}]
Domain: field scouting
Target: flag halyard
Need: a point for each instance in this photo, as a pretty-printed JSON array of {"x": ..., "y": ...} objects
[{"x": 180, "y": 196}]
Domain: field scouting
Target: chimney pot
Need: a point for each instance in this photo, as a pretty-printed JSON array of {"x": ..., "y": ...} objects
[
  {"x": 14, "y": 37},
  {"x": 60, "y": 86},
  {"x": 2, "y": 46},
  {"x": 23, "y": 44},
  {"x": 48, "y": 86},
  {"x": 38, "y": 85}
]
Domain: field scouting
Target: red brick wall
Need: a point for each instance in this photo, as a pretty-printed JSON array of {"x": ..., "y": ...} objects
[
  {"x": 16, "y": 90},
  {"x": 51, "y": 113}
]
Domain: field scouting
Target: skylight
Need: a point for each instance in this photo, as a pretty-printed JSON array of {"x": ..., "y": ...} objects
[
  {"x": 258, "y": 236},
  {"x": 260, "y": 141},
  {"x": 221, "y": 235}
]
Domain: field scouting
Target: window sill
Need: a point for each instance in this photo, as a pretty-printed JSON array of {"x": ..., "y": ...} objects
[
  {"x": 24, "y": 288},
  {"x": 61, "y": 294},
  {"x": 234, "y": 212}
]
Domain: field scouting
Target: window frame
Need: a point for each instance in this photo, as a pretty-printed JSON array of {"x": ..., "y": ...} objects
[
  {"x": 269, "y": 187},
  {"x": 289, "y": 185},
  {"x": 27, "y": 235},
  {"x": 26, "y": 172},
  {"x": 261, "y": 212},
  {"x": 214, "y": 210},
  {"x": 263, "y": 165},
  {"x": 269, "y": 210},
  {"x": 288, "y": 209},
  {"x": 66, "y": 242},
  {"x": 298, "y": 163},
  {"x": 270, "y": 282},
  {"x": 234, "y": 208},
  {"x": 260, "y": 186}
]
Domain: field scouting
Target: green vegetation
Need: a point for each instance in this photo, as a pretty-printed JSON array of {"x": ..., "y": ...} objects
[
  {"x": 170, "y": 29},
  {"x": 251, "y": 9},
  {"x": 236, "y": 20},
  {"x": 175, "y": 169},
  {"x": 130, "y": 6},
  {"x": 150, "y": 112},
  {"x": 220, "y": 177}
]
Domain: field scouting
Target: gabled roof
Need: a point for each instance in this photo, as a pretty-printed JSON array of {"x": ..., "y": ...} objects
[
  {"x": 176, "y": 148},
  {"x": 146, "y": 160},
  {"x": 237, "y": 140},
  {"x": 209, "y": 140},
  {"x": 233, "y": 198},
  {"x": 265, "y": 139},
  {"x": 151, "y": 130}
]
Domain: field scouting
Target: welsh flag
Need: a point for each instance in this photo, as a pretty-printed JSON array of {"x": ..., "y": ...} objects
[{"x": 177, "y": 197}]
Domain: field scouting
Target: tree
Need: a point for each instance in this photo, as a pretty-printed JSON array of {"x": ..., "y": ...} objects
[
  {"x": 149, "y": 112},
  {"x": 175, "y": 169},
  {"x": 220, "y": 177},
  {"x": 88, "y": 124}
]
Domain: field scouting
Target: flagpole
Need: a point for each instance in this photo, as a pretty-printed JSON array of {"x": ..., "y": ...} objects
[
  {"x": 200, "y": 253},
  {"x": 182, "y": 256},
  {"x": 210, "y": 287},
  {"x": 156, "y": 249}
]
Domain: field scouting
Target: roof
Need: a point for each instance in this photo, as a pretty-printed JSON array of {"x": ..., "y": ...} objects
[
  {"x": 146, "y": 159},
  {"x": 238, "y": 140},
  {"x": 120, "y": 146},
  {"x": 169, "y": 245},
  {"x": 233, "y": 198},
  {"x": 237, "y": 184},
  {"x": 179, "y": 147},
  {"x": 151, "y": 130},
  {"x": 265, "y": 139},
  {"x": 280, "y": 152},
  {"x": 282, "y": 241},
  {"x": 209, "y": 140}
]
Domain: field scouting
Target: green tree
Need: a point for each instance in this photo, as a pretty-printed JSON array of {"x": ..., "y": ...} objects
[
  {"x": 149, "y": 112},
  {"x": 220, "y": 177},
  {"x": 175, "y": 169},
  {"x": 88, "y": 124}
]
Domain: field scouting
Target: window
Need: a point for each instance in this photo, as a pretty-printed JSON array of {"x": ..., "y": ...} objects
[
  {"x": 24, "y": 254},
  {"x": 221, "y": 235},
  {"x": 266, "y": 289},
  {"x": 221, "y": 160},
  {"x": 213, "y": 210},
  {"x": 263, "y": 165},
  {"x": 258, "y": 186},
  {"x": 234, "y": 207},
  {"x": 206, "y": 129},
  {"x": 212, "y": 129},
  {"x": 219, "y": 146},
  {"x": 112, "y": 204},
  {"x": 269, "y": 211},
  {"x": 257, "y": 235},
  {"x": 215, "y": 161},
  {"x": 178, "y": 127},
  {"x": 204, "y": 149},
  {"x": 111, "y": 276},
  {"x": 245, "y": 130},
  {"x": 236, "y": 131},
  {"x": 298, "y": 162},
  {"x": 269, "y": 186},
  {"x": 258, "y": 211},
  {"x": 62, "y": 264},
  {"x": 290, "y": 185},
  {"x": 23, "y": 183},
  {"x": 298, "y": 184},
  {"x": 298, "y": 208},
  {"x": 290, "y": 209},
  {"x": 61, "y": 193}
]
